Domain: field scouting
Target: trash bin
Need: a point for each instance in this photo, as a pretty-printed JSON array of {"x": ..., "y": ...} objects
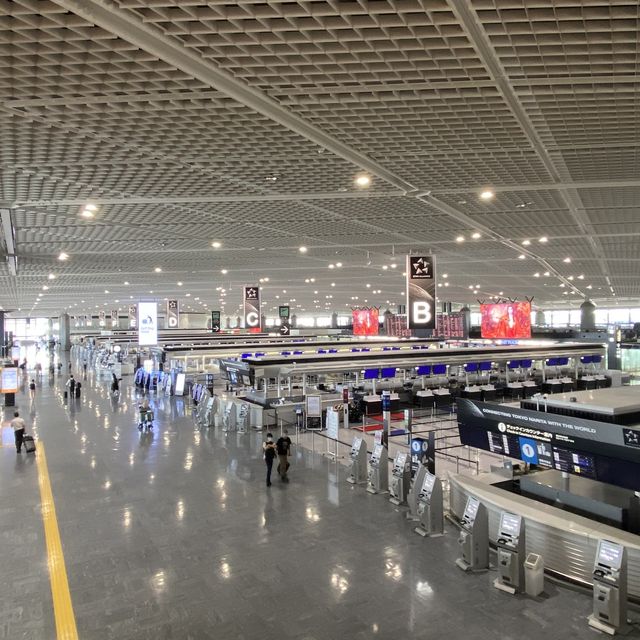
[{"x": 534, "y": 575}]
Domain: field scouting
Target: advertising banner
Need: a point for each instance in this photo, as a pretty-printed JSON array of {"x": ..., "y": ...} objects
[
  {"x": 133, "y": 315},
  {"x": 114, "y": 317},
  {"x": 285, "y": 326},
  {"x": 598, "y": 450},
  {"x": 421, "y": 292},
  {"x": 147, "y": 323},
  {"x": 9, "y": 380},
  {"x": 252, "y": 308},
  {"x": 365, "y": 321},
  {"x": 215, "y": 322},
  {"x": 101, "y": 318},
  {"x": 506, "y": 320},
  {"x": 173, "y": 314}
]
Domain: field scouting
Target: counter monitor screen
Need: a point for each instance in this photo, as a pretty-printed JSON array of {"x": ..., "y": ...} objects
[
  {"x": 423, "y": 370},
  {"x": 388, "y": 372},
  {"x": 371, "y": 374},
  {"x": 510, "y": 524},
  {"x": 609, "y": 554},
  {"x": 355, "y": 447},
  {"x": 427, "y": 485},
  {"x": 471, "y": 509}
]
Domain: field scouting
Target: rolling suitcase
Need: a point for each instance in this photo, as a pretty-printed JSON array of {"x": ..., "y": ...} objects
[
  {"x": 78, "y": 387},
  {"x": 29, "y": 444}
]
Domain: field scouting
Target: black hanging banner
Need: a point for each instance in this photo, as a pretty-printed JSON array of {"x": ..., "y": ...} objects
[
  {"x": 173, "y": 314},
  {"x": 215, "y": 322},
  {"x": 252, "y": 308},
  {"x": 421, "y": 292}
]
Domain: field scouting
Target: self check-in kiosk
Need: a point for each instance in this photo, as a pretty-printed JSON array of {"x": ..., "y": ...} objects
[
  {"x": 430, "y": 509},
  {"x": 358, "y": 462},
  {"x": 474, "y": 537},
  {"x": 610, "y": 589},
  {"x": 378, "y": 478},
  {"x": 229, "y": 418},
  {"x": 511, "y": 553},
  {"x": 400, "y": 478},
  {"x": 412, "y": 497}
]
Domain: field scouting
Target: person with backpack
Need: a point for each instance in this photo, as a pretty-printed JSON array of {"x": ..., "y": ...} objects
[
  {"x": 71, "y": 383},
  {"x": 269, "y": 449},
  {"x": 283, "y": 447},
  {"x": 19, "y": 426}
]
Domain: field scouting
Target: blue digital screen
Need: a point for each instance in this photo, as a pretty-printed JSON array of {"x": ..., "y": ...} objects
[
  {"x": 471, "y": 366},
  {"x": 439, "y": 369},
  {"x": 371, "y": 374},
  {"x": 513, "y": 364},
  {"x": 485, "y": 366},
  {"x": 424, "y": 370},
  {"x": 388, "y": 372}
]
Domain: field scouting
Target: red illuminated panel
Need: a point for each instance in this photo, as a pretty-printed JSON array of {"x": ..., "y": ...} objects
[
  {"x": 509, "y": 320},
  {"x": 365, "y": 322}
]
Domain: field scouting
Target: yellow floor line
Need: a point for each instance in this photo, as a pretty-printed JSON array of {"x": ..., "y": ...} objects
[{"x": 62, "y": 606}]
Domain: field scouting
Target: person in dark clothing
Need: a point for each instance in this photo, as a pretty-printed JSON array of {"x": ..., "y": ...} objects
[
  {"x": 269, "y": 456},
  {"x": 71, "y": 383},
  {"x": 115, "y": 386},
  {"x": 18, "y": 425},
  {"x": 283, "y": 447}
]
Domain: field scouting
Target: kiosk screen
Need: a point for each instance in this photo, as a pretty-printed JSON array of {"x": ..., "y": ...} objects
[
  {"x": 510, "y": 524},
  {"x": 609, "y": 554},
  {"x": 427, "y": 485},
  {"x": 471, "y": 509}
]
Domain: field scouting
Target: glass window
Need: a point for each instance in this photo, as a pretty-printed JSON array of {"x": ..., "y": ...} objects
[
  {"x": 619, "y": 316},
  {"x": 574, "y": 317},
  {"x": 307, "y": 322},
  {"x": 634, "y": 315},
  {"x": 323, "y": 321},
  {"x": 560, "y": 318},
  {"x": 602, "y": 317}
]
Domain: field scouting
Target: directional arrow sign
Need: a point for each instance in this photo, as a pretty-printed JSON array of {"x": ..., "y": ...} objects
[{"x": 284, "y": 329}]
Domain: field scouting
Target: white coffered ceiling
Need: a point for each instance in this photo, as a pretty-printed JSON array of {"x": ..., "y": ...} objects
[{"x": 245, "y": 123}]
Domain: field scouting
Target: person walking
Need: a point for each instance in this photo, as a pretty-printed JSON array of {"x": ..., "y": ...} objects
[
  {"x": 71, "y": 384},
  {"x": 32, "y": 389},
  {"x": 283, "y": 447},
  {"x": 18, "y": 425},
  {"x": 269, "y": 449}
]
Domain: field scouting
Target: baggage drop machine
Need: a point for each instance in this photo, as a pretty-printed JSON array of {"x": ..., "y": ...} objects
[
  {"x": 511, "y": 554},
  {"x": 610, "y": 589},
  {"x": 378, "y": 477},
  {"x": 412, "y": 497},
  {"x": 474, "y": 537},
  {"x": 358, "y": 463},
  {"x": 229, "y": 417},
  {"x": 430, "y": 508},
  {"x": 400, "y": 478}
]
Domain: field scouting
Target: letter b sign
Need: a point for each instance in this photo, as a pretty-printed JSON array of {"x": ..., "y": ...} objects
[{"x": 421, "y": 312}]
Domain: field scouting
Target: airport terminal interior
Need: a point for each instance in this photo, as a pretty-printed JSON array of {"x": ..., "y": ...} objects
[{"x": 319, "y": 319}]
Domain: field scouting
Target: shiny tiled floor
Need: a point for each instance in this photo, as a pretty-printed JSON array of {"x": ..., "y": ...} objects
[{"x": 174, "y": 535}]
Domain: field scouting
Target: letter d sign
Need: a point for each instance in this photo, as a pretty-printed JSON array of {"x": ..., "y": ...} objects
[{"x": 421, "y": 312}]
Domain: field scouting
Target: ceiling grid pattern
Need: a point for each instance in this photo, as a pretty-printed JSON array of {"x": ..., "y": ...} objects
[{"x": 174, "y": 163}]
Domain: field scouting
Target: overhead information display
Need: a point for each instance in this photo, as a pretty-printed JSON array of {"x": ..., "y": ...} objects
[{"x": 598, "y": 450}]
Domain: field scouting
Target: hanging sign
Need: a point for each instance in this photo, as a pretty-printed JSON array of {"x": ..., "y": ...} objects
[
  {"x": 285, "y": 323},
  {"x": 215, "y": 322},
  {"x": 114, "y": 317},
  {"x": 252, "y": 307},
  {"x": 421, "y": 292},
  {"x": 173, "y": 314},
  {"x": 133, "y": 314},
  {"x": 147, "y": 323}
]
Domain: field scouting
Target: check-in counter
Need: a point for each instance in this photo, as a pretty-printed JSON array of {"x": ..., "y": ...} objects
[
  {"x": 425, "y": 399},
  {"x": 552, "y": 386},
  {"x": 514, "y": 390},
  {"x": 529, "y": 388},
  {"x": 489, "y": 392},
  {"x": 472, "y": 392}
]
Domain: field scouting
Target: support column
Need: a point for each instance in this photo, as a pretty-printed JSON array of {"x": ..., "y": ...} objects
[
  {"x": 65, "y": 332},
  {"x": 587, "y": 316},
  {"x": 466, "y": 321},
  {"x": 3, "y": 341}
]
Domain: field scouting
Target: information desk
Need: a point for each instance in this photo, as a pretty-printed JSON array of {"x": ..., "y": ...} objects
[
  {"x": 620, "y": 405},
  {"x": 567, "y": 542}
]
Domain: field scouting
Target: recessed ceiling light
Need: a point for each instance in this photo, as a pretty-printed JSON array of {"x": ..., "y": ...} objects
[
  {"x": 63, "y": 256},
  {"x": 581, "y": 276},
  {"x": 158, "y": 269},
  {"x": 179, "y": 284},
  {"x": 543, "y": 239},
  {"x": 476, "y": 235},
  {"x": 536, "y": 274},
  {"x": 526, "y": 243},
  {"x": 521, "y": 256},
  {"x": 487, "y": 194},
  {"x": 86, "y": 213},
  {"x": 52, "y": 276},
  {"x": 362, "y": 180},
  {"x": 106, "y": 290},
  {"x": 216, "y": 245},
  {"x": 338, "y": 264},
  {"x": 332, "y": 266},
  {"x": 224, "y": 271},
  {"x": 567, "y": 260},
  {"x": 589, "y": 286},
  {"x": 546, "y": 274},
  {"x": 302, "y": 249},
  {"x": 44, "y": 287},
  {"x": 446, "y": 284},
  {"x": 385, "y": 267},
  {"x": 570, "y": 278},
  {"x": 460, "y": 239}
]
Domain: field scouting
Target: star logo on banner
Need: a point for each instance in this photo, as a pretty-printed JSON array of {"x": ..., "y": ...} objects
[
  {"x": 173, "y": 304},
  {"x": 420, "y": 268},
  {"x": 252, "y": 293}
]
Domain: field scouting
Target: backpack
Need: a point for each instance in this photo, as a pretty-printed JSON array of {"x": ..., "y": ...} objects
[
  {"x": 269, "y": 453},
  {"x": 283, "y": 446}
]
